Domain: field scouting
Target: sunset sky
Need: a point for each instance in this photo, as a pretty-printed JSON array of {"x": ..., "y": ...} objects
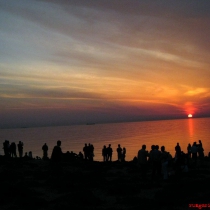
[{"x": 79, "y": 61}]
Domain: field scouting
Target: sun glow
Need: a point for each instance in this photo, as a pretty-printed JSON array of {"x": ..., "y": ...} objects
[{"x": 189, "y": 115}]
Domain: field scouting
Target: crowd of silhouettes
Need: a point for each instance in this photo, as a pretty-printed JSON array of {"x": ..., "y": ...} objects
[
  {"x": 195, "y": 151},
  {"x": 160, "y": 160},
  {"x": 107, "y": 153},
  {"x": 88, "y": 152},
  {"x": 10, "y": 150},
  {"x": 57, "y": 154}
]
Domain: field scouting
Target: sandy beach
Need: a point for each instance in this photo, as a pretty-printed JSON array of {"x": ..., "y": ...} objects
[{"x": 41, "y": 184}]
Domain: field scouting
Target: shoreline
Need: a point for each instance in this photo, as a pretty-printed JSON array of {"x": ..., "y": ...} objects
[{"x": 42, "y": 184}]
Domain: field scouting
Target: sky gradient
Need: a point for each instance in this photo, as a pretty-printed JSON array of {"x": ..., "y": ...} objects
[{"x": 77, "y": 61}]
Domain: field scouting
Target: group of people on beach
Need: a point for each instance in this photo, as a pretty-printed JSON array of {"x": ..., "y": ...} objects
[
  {"x": 157, "y": 160},
  {"x": 107, "y": 153},
  {"x": 144, "y": 157},
  {"x": 57, "y": 154},
  {"x": 10, "y": 150},
  {"x": 195, "y": 150},
  {"x": 160, "y": 160},
  {"x": 88, "y": 151}
]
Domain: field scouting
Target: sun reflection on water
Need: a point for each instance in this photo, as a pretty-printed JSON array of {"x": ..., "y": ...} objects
[{"x": 190, "y": 124}]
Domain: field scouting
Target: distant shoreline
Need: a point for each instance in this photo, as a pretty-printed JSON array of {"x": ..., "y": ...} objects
[{"x": 111, "y": 122}]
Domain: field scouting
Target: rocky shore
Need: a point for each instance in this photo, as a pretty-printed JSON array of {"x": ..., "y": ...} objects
[{"x": 41, "y": 184}]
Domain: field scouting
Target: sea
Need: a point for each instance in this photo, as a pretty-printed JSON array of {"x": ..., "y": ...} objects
[{"x": 131, "y": 135}]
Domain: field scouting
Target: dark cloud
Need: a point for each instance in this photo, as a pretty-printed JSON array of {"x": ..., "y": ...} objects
[
  {"x": 163, "y": 25},
  {"x": 161, "y": 8},
  {"x": 111, "y": 111},
  {"x": 27, "y": 92}
]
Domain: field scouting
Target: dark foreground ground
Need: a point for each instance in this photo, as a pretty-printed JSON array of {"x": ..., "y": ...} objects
[{"x": 39, "y": 184}]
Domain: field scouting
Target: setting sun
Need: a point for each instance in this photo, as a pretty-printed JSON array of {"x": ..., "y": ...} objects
[{"x": 189, "y": 115}]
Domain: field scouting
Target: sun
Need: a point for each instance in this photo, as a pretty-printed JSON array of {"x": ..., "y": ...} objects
[{"x": 189, "y": 115}]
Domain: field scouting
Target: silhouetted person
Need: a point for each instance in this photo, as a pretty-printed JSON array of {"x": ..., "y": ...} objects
[
  {"x": 119, "y": 153},
  {"x": 20, "y": 149},
  {"x": 25, "y": 156},
  {"x": 109, "y": 153},
  {"x": 123, "y": 154},
  {"x": 194, "y": 152},
  {"x": 90, "y": 152},
  {"x": 142, "y": 160},
  {"x": 80, "y": 156},
  {"x": 200, "y": 152},
  {"x": 104, "y": 153},
  {"x": 85, "y": 150},
  {"x": 13, "y": 150},
  {"x": 164, "y": 162},
  {"x": 178, "y": 150},
  {"x": 30, "y": 155},
  {"x": 6, "y": 147},
  {"x": 200, "y": 143},
  {"x": 150, "y": 154},
  {"x": 189, "y": 152},
  {"x": 45, "y": 151},
  {"x": 155, "y": 156},
  {"x": 57, "y": 152},
  {"x": 70, "y": 155}
]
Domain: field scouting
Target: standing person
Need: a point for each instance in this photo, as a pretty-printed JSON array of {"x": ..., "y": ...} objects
[
  {"x": 200, "y": 143},
  {"x": 150, "y": 154},
  {"x": 85, "y": 150},
  {"x": 90, "y": 152},
  {"x": 57, "y": 152},
  {"x": 189, "y": 150},
  {"x": 155, "y": 156},
  {"x": 119, "y": 153},
  {"x": 30, "y": 155},
  {"x": 200, "y": 150},
  {"x": 194, "y": 152},
  {"x": 45, "y": 149},
  {"x": 13, "y": 150},
  {"x": 164, "y": 162},
  {"x": 123, "y": 153},
  {"x": 6, "y": 147},
  {"x": 109, "y": 153},
  {"x": 178, "y": 150},
  {"x": 20, "y": 149},
  {"x": 104, "y": 153},
  {"x": 142, "y": 160}
]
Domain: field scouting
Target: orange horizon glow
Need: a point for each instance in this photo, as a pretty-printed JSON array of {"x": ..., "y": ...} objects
[{"x": 97, "y": 64}]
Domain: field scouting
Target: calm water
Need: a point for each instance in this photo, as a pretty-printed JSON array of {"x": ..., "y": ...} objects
[{"x": 130, "y": 135}]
